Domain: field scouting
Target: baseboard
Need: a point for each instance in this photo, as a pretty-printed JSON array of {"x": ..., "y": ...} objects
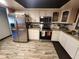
[
  {"x": 55, "y": 41},
  {"x": 5, "y": 37}
]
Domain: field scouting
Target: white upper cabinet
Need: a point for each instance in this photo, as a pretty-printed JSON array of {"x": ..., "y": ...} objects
[
  {"x": 55, "y": 17},
  {"x": 49, "y": 13},
  {"x": 42, "y": 13},
  {"x": 34, "y": 15}
]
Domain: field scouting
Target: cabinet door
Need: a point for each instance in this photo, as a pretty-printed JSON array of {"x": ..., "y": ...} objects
[
  {"x": 55, "y": 35},
  {"x": 34, "y": 15},
  {"x": 34, "y": 34},
  {"x": 30, "y": 34},
  {"x": 62, "y": 39},
  {"x": 69, "y": 43},
  {"x": 71, "y": 46},
  {"x": 77, "y": 55},
  {"x": 43, "y": 13},
  {"x": 49, "y": 13}
]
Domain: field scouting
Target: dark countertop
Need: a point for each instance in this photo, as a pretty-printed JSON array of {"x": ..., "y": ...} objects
[
  {"x": 50, "y": 23},
  {"x": 73, "y": 36}
]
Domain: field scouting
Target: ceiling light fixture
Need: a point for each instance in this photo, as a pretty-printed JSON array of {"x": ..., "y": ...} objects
[{"x": 3, "y": 2}]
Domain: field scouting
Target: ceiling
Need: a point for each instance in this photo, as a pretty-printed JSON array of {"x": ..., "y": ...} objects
[
  {"x": 13, "y": 4},
  {"x": 42, "y": 3}
]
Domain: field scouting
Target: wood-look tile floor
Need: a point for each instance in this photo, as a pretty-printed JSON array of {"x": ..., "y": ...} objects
[{"x": 30, "y": 50}]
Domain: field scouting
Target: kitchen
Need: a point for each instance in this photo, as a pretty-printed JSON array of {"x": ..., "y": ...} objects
[
  {"x": 55, "y": 31},
  {"x": 36, "y": 21},
  {"x": 57, "y": 24}
]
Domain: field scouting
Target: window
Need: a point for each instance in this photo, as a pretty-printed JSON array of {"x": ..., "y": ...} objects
[
  {"x": 77, "y": 26},
  {"x": 65, "y": 16},
  {"x": 55, "y": 16}
]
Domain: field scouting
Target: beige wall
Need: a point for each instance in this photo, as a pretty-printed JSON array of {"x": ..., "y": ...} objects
[
  {"x": 73, "y": 15},
  {"x": 4, "y": 27},
  {"x": 72, "y": 6}
]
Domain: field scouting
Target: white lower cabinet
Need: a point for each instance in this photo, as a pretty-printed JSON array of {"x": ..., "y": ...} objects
[
  {"x": 55, "y": 36},
  {"x": 71, "y": 46},
  {"x": 62, "y": 38},
  {"x": 69, "y": 43},
  {"x": 34, "y": 34},
  {"x": 77, "y": 55}
]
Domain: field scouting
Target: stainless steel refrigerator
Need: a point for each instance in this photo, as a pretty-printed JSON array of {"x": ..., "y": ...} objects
[{"x": 19, "y": 29}]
